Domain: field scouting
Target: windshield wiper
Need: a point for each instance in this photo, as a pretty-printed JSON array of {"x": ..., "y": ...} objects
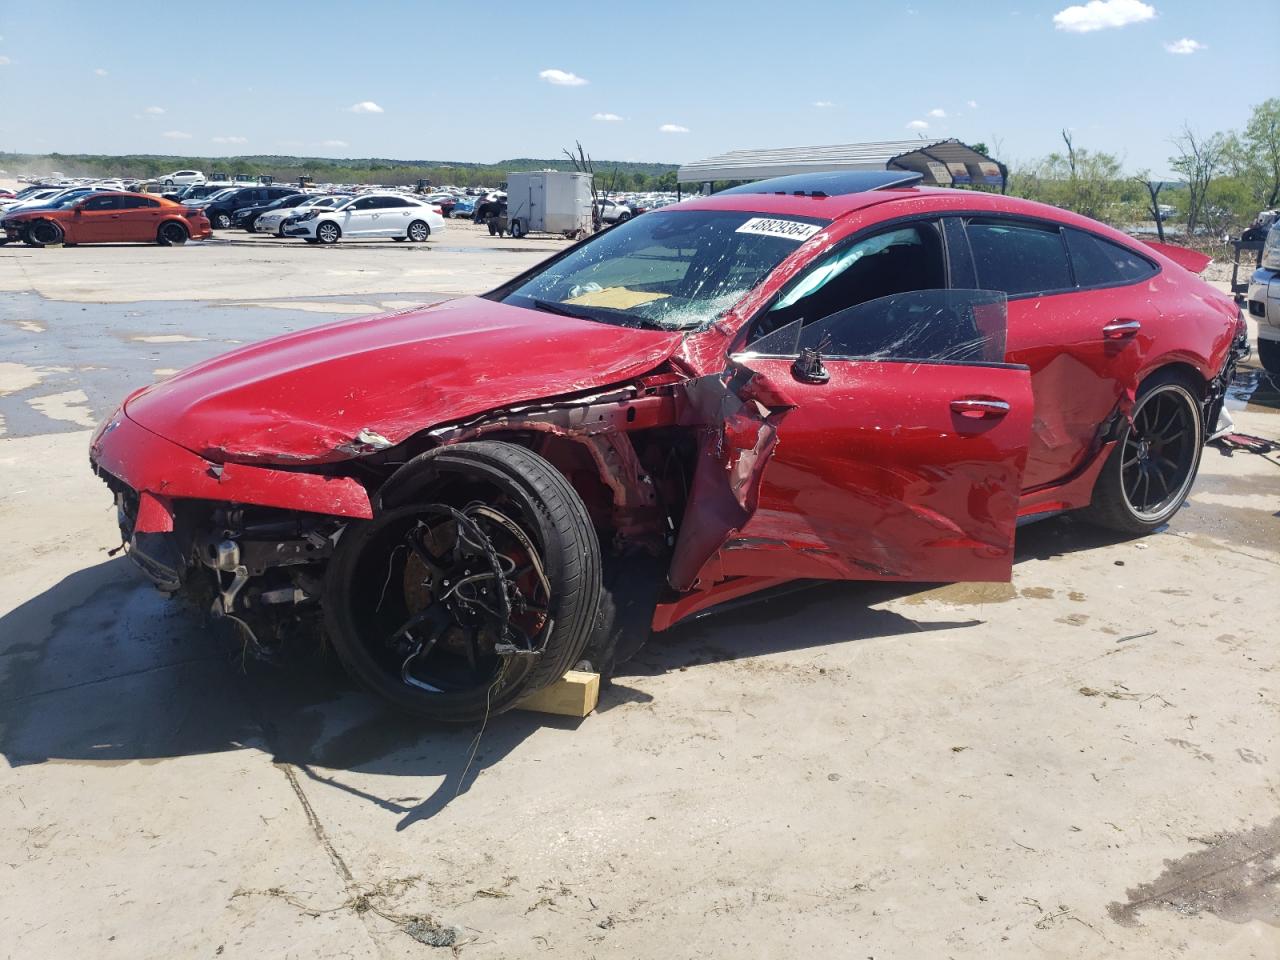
[
  {"x": 551, "y": 307},
  {"x": 602, "y": 315}
]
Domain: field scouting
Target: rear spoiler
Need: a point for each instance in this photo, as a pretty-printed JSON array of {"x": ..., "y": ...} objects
[{"x": 1192, "y": 260}]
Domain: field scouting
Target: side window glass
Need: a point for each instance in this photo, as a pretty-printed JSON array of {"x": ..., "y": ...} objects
[
  {"x": 1019, "y": 258},
  {"x": 898, "y": 260},
  {"x": 128, "y": 203},
  {"x": 951, "y": 326},
  {"x": 1099, "y": 262},
  {"x": 100, "y": 203}
]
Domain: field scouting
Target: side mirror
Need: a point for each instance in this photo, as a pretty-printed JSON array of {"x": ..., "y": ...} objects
[{"x": 79, "y": 208}]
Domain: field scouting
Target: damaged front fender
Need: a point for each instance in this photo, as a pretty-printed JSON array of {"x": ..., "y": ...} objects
[{"x": 150, "y": 465}]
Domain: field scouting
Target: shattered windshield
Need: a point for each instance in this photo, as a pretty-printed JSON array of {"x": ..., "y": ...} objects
[{"x": 671, "y": 270}]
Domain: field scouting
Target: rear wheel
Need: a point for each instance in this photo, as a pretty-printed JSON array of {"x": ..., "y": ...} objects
[
  {"x": 43, "y": 233},
  {"x": 1269, "y": 355},
  {"x": 476, "y": 583},
  {"x": 222, "y": 221},
  {"x": 171, "y": 234},
  {"x": 624, "y": 216},
  {"x": 1149, "y": 473},
  {"x": 419, "y": 231},
  {"x": 328, "y": 232}
]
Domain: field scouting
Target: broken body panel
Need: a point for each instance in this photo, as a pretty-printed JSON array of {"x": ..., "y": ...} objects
[{"x": 885, "y": 468}]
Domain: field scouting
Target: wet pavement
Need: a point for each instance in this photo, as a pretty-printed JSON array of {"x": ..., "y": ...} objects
[{"x": 89, "y": 356}]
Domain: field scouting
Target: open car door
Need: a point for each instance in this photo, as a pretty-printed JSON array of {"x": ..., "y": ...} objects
[{"x": 885, "y": 442}]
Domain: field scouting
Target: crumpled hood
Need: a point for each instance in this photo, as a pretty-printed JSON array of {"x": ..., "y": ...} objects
[{"x": 305, "y": 397}]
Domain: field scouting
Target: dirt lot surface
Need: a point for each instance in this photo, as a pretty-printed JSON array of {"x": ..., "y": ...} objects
[{"x": 1083, "y": 763}]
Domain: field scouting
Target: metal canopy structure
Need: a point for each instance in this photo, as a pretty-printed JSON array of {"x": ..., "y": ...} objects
[{"x": 941, "y": 163}]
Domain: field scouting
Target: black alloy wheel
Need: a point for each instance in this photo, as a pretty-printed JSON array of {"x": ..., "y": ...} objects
[
  {"x": 43, "y": 233},
  {"x": 1149, "y": 473},
  {"x": 171, "y": 234},
  {"x": 1160, "y": 452}
]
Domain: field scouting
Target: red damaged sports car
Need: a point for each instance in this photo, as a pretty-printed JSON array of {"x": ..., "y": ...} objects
[{"x": 838, "y": 376}]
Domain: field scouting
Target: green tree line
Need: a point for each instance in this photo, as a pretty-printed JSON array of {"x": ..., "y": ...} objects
[
  {"x": 609, "y": 175},
  {"x": 1224, "y": 179}
]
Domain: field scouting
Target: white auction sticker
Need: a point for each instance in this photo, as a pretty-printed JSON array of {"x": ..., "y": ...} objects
[{"x": 786, "y": 229}]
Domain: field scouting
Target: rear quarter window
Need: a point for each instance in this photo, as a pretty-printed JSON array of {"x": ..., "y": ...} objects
[{"x": 1101, "y": 263}]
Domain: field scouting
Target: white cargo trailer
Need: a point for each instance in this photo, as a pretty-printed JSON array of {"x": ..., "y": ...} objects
[{"x": 549, "y": 201}]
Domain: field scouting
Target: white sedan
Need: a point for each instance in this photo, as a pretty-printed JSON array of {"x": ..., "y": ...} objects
[
  {"x": 180, "y": 177},
  {"x": 371, "y": 215},
  {"x": 274, "y": 221}
]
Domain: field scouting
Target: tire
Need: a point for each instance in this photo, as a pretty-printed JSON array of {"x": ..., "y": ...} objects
[
  {"x": 623, "y": 217},
  {"x": 1269, "y": 356},
  {"x": 328, "y": 232},
  {"x": 1126, "y": 497},
  {"x": 168, "y": 183},
  {"x": 362, "y": 613},
  {"x": 517, "y": 229},
  {"x": 419, "y": 232},
  {"x": 171, "y": 234},
  {"x": 222, "y": 221},
  {"x": 43, "y": 233}
]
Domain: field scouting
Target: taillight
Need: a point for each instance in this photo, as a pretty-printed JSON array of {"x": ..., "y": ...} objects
[{"x": 437, "y": 210}]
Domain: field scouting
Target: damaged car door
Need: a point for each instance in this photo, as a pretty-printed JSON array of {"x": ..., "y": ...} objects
[{"x": 884, "y": 441}]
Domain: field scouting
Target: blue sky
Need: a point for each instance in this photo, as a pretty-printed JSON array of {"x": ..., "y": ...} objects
[{"x": 664, "y": 81}]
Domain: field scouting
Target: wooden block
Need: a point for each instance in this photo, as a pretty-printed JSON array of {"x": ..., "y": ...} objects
[{"x": 573, "y": 695}]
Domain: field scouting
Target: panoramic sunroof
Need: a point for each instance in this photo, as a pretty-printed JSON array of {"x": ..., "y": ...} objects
[{"x": 834, "y": 184}]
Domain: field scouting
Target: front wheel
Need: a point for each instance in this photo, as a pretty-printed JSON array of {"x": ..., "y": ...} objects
[
  {"x": 419, "y": 232},
  {"x": 222, "y": 221},
  {"x": 1269, "y": 355},
  {"x": 328, "y": 233},
  {"x": 43, "y": 233},
  {"x": 1149, "y": 474},
  {"x": 476, "y": 583}
]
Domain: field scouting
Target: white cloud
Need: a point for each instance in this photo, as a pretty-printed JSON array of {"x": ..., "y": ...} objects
[
  {"x": 334, "y": 143},
  {"x": 228, "y": 139},
  {"x": 971, "y": 104},
  {"x": 562, "y": 78},
  {"x": 154, "y": 111},
  {"x": 917, "y": 125},
  {"x": 365, "y": 106},
  {"x": 1184, "y": 46},
  {"x": 606, "y": 117},
  {"x": 176, "y": 135},
  {"x": 937, "y": 112},
  {"x": 823, "y": 104},
  {"x": 672, "y": 128},
  {"x": 1102, "y": 15},
  {"x": 99, "y": 72}
]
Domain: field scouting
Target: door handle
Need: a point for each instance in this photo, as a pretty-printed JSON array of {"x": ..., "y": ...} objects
[
  {"x": 1119, "y": 329},
  {"x": 979, "y": 408}
]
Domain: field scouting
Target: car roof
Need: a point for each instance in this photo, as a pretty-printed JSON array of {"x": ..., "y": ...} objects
[{"x": 906, "y": 201}]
